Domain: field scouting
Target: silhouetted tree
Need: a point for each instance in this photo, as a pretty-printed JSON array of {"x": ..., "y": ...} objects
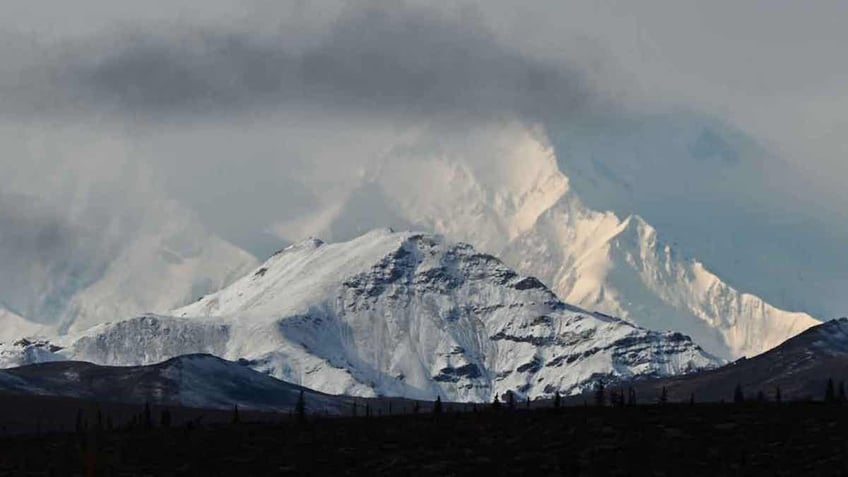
[
  {"x": 300, "y": 407},
  {"x": 416, "y": 408},
  {"x": 148, "y": 416},
  {"x": 691, "y": 399},
  {"x": 367, "y": 410},
  {"x": 510, "y": 400},
  {"x": 557, "y": 400},
  {"x": 777, "y": 397},
  {"x": 390, "y": 409},
  {"x": 829, "y": 393},
  {"x": 600, "y": 396},
  {"x": 631, "y": 397},
  {"x": 354, "y": 408},
  {"x": 235, "y": 417},
  {"x": 527, "y": 403},
  {"x": 80, "y": 426},
  {"x": 738, "y": 395},
  {"x": 841, "y": 396},
  {"x": 613, "y": 397},
  {"x": 165, "y": 418},
  {"x": 437, "y": 406},
  {"x": 663, "y": 396},
  {"x": 496, "y": 403},
  {"x": 761, "y": 397},
  {"x": 99, "y": 420}
]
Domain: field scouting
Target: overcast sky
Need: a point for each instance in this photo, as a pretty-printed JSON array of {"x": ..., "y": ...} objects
[{"x": 272, "y": 104}]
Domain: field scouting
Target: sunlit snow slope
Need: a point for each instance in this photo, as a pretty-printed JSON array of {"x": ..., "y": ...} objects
[{"x": 508, "y": 197}]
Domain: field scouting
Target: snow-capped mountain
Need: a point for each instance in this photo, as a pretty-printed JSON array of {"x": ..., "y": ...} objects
[
  {"x": 623, "y": 268},
  {"x": 199, "y": 381},
  {"x": 509, "y": 198},
  {"x": 719, "y": 193},
  {"x": 77, "y": 274},
  {"x": 399, "y": 314}
]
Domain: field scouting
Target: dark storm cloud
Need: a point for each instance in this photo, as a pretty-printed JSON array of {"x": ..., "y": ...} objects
[{"x": 373, "y": 60}]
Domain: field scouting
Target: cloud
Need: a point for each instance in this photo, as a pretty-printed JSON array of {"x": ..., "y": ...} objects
[{"x": 374, "y": 60}]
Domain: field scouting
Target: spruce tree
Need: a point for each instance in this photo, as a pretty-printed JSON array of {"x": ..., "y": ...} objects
[
  {"x": 235, "y": 417},
  {"x": 613, "y": 397},
  {"x": 738, "y": 395},
  {"x": 437, "y": 406},
  {"x": 829, "y": 393},
  {"x": 777, "y": 397},
  {"x": 631, "y": 397},
  {"x": 761, "y": 398},
  {"x": 841, "y": 396},
  {"x": 663, "y": 396},
  {"x": 527, "y": 403},
  {"x": 79, "y": 422},
  {"x": 496, "y": 403},
  {"x": 300, "y": 407},
  {"x": 557, "y": 400},
  {"x": 165, "y": 419},
  {"x": 691, "y": 399},
  {"x": 354, "y": 408},
  {"x": 416, "y": 408},
  {"x": 600, "y": 397},
  {"x": 148, "y": 416},
  {"x": 510, "y": 400}
]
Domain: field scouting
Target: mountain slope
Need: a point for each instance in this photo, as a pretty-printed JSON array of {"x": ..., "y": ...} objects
[
  {"x": 85, "y": 273},
  {"x": 696, "y": 178},
  {"x": 621, "y": 266},
  {"x": 200, "y": 381},
  {"x": 510, "y": 199},
  {"x": 399, "y": 314},
  {"x": 800, "y": 367}
]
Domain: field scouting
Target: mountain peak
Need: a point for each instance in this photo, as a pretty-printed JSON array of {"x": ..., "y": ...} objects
[{"x": 403, "y": 314}]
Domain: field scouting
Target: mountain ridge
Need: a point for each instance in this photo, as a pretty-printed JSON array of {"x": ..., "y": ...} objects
[{"x": 399, "y": 314}]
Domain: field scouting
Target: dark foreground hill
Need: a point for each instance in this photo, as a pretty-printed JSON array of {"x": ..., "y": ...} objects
[
  {"x": 706, "y": 439},
  {"x": 799, "y": 368},
  {"x": 198, "y": 381}
]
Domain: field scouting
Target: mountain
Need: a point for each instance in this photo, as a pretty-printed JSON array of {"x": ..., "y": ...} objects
[
  {"x": 63, "y": 275},
  {"x": 503, "y": 192},
  {"x": 199, "y": 381},
  {"x": 800, "y": 367},
  {"x": 509, "y": 198},
  {"x": 720, "y": 195},
  {"x": 622, "y": 267},
  {"x": 398, "y": 314}
]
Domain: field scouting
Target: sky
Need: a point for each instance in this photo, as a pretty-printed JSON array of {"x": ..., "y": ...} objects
[{"x": 274, "y": 107}]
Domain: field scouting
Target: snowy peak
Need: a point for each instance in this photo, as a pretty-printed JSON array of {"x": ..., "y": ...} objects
[
  {"x": 510, "y": 198},
  {"x": 415, "y": 315},
  {"x": 305, "y": 271},
  {"x": 398, "y": 314},
  {"x": 622, "y": 267}
]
